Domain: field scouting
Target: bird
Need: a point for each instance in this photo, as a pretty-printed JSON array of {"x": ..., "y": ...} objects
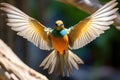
[{"x": 59, "y": 39}]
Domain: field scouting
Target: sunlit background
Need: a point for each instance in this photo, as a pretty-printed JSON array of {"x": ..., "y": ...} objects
[{"x": 101, "y": 57}]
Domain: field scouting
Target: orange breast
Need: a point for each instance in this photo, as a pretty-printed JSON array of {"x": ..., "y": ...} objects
[{"x": 60, "y": 43}]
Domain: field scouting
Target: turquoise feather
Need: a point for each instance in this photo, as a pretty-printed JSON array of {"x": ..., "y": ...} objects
[{"x": 60, "y": 33}]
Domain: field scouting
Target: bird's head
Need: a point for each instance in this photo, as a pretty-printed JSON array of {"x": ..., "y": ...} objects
[{"x": 59, "y": 25}]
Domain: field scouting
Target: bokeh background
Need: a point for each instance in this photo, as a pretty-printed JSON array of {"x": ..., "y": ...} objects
[{"x": 101, "y": 57}]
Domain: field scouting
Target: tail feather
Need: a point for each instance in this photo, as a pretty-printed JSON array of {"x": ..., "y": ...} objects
[
  {"x": 74, "y": 60},
  {"x": 61, "y": 63},
  {"x": 50, "y": 62}
]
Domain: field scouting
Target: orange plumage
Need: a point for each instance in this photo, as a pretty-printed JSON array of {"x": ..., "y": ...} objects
[{"x": 60, "y": 44}]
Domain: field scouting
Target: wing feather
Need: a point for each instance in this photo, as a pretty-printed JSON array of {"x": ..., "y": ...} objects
[
  {"x": 88, "y": 29},
  {"x": 27, "y": 27}
]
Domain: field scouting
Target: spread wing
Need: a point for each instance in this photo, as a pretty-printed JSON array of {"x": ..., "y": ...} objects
[
  {"x": 88, "y": 29},
  {"x": 27, "y": 27}
]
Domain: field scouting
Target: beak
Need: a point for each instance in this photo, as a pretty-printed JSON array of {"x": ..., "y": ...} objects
[{"x": 59, "y": 24}]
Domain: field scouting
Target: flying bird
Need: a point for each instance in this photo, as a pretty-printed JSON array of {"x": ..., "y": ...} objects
[{"x": 60, "y": 39}]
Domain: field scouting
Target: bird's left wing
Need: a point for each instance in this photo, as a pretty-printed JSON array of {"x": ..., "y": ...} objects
[
  {"x": 27, "y": 27},
  {"x": 90, "y": 28}
]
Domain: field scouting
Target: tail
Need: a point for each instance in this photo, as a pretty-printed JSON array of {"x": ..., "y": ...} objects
[{"x": 61, "y": 63}]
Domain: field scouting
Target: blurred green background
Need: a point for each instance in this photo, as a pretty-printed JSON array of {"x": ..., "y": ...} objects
[{"x": 101, "y": 57}]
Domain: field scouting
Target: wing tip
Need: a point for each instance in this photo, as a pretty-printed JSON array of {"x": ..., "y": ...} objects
[
  {"x": 112, "y": 1},
  {"x": 117, "y": 9},
  {"x": 4, "y": 4},
  {"x": 2, "y": 8}
]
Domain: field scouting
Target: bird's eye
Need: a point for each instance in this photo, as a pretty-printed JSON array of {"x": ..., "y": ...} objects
[{"x": 56, "y": 24}]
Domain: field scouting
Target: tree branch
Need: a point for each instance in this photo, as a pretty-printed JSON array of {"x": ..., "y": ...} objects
[
  {"x": 12, "y": 68},
  {"x": 90, "y": 6}
]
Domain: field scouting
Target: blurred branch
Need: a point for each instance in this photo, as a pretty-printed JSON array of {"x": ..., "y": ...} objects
[
  {"x": 12, "y": 68},
  {"x": 90, "y": 6}
]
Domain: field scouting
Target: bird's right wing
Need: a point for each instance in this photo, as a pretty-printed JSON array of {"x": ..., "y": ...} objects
[
  {"x": 27, "y": 27},
  {"x": 88, "y": 29}
]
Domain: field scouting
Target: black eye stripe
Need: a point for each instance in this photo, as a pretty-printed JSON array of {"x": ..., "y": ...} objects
[
  {"x": 56, "y": 24},
  {"x": 59, "y": 25}
]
